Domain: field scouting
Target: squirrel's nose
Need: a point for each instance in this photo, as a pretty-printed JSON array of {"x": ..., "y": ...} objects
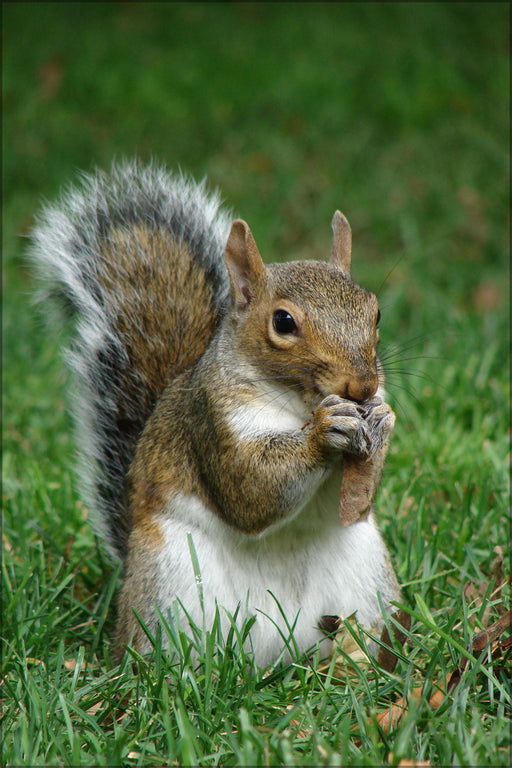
[{"x": 358, "y": 389}]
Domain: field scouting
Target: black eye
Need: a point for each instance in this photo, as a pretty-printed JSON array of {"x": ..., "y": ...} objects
[
  {"x": 378, "y": 317},
  {"x": 283, "y": 322}
]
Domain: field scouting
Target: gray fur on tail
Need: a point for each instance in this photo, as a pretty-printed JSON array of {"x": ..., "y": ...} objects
[{"x": 67, "y": 244}]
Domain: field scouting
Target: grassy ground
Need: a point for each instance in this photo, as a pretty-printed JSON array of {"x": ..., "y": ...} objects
[{"x": 398, "y": 114}]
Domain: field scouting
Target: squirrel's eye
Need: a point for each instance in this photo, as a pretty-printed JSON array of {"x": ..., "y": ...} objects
[{"x": 283, "y": 322}]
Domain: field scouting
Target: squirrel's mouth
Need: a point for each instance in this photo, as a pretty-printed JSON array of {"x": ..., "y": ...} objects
[{"x": 321, "y": 393}]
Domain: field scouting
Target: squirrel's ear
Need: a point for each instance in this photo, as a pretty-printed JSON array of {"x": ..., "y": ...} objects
[
  {"x": 243, "y": 261},
  {"x": 341, "y": 242}
]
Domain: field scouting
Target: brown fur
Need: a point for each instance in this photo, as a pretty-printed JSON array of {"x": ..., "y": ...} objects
[
  {"x": 149, "y": 276},
  {"x": 187, "y": 445},
  {"x": 173, "y": 374}
]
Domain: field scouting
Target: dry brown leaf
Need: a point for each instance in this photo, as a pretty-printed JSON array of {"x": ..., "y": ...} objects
[
  {"x": 345, "y": 645},
  {"x": 492, "y": 588},
  {"x": 492, "y": 634},
  {"x": 387, "y": 658},
  {"x": 497, "y": 564},
  {"x": 475, "y": 595},
  {"x": 357, "y": 490},
  {"x": 70, "y": 664},
  {"x": 95, "y": 708},
  {"x": 391, "y": 716},
  {"x": 300, "y": 732},
  {"x": 117, "y": 713},
  {"x": 436, "y": 699}
]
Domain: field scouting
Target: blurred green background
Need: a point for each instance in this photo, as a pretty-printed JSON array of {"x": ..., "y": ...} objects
[{"x": 398, "y": 113}]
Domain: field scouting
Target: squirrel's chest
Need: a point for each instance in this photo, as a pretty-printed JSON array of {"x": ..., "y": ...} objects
[{"x": 270, "y": 408}]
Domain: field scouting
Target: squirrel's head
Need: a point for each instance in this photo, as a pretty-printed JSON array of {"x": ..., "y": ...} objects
[{"x": 305, "y": 324}]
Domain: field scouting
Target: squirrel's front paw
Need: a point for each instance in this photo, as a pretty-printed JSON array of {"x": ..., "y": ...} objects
[
  {"x": 380, "y": 421},
  {"x": 338, "y": 424}
]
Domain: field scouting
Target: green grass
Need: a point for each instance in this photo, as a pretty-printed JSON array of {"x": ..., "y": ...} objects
[{"x": 396, "y": 113}]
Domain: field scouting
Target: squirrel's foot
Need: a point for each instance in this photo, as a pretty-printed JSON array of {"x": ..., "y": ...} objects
[
  {"x": 380, "y": 421},
  {"x": 339, "y": 425}
]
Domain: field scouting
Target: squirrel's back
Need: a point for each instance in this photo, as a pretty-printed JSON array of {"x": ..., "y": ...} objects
[{"x": 138, "y": 255}]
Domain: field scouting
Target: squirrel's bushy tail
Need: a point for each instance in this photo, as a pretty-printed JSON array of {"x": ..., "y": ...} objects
[{"x": 138, "y": 255}]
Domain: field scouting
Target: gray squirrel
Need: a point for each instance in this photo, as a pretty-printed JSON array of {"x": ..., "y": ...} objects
[{"x": 223, "y": 402}]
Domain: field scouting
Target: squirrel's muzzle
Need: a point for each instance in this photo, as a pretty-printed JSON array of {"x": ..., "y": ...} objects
[{"x": 356, "y": 388}]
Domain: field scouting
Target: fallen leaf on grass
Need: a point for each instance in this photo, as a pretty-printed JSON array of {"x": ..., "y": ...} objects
[
  {"x": 489, "y": 590},
  {"x": 95, "y": 708},
  {"x": 390, "y": 717},
  {"x": 350, "y": 658},
  {"x": 300, "y": 732},
  {"x": 491, "y": 637},
  {"x": 117, "y": 713},
  {"x": 70, "y": 664},
  {"x": 348, "y": 653},
  {"x": 492, "y": 634},
  {"x": 387, "y": 658}
]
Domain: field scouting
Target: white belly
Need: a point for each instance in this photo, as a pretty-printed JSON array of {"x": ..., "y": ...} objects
[{"x": 304, "y": 569}]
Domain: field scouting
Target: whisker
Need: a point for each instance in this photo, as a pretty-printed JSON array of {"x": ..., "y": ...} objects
[
  {"x": 411, "y": 393},
  {"x": 411, "y": 357},
  {"x": 388, "y": 275},
  {"x": 406, "y": 345},
  {"x": 408, "y": 372},
  {"x": 425, "y": 377}
]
